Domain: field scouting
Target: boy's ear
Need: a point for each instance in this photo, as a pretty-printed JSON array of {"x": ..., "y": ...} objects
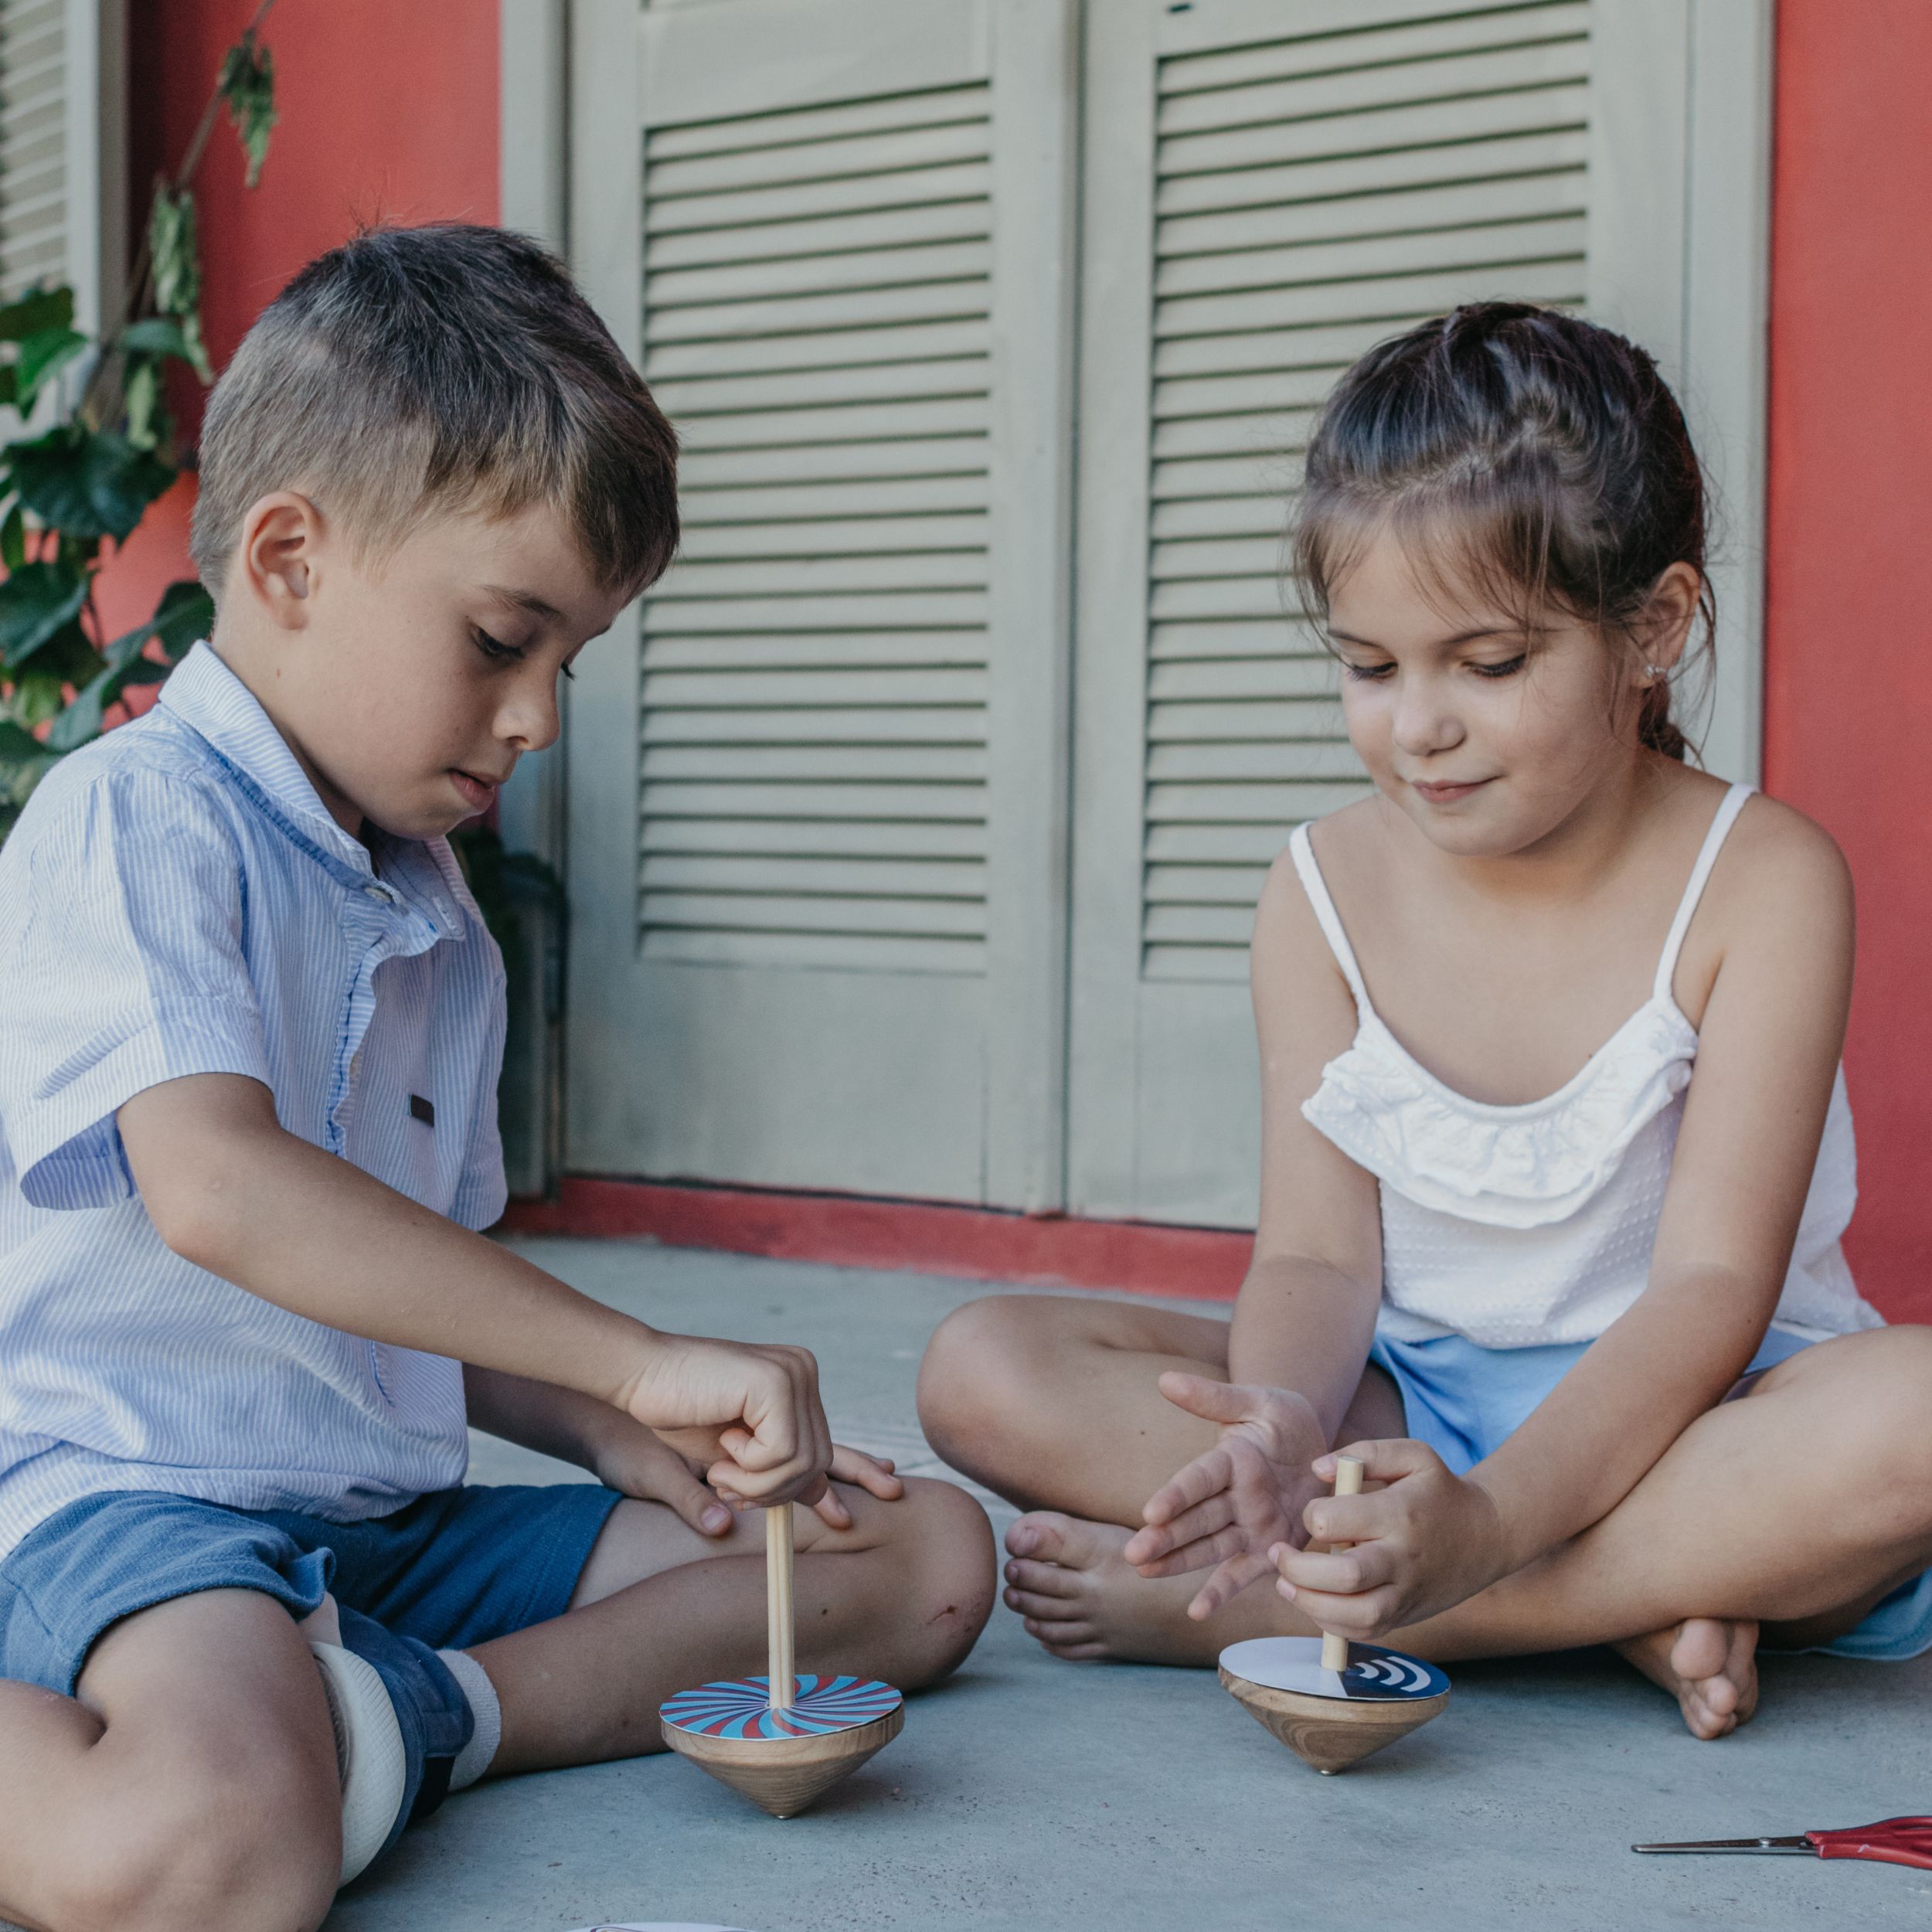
[{"x": 281, "y": 534}]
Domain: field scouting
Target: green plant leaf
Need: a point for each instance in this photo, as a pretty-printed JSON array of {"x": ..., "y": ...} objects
[
  {"x": 156, "y": 335},
  {"x": 248, "y": 84},
  {"x": 42, "y": 356},
  {"x": 7, "y": 386},
  {"x": 185, "y": 615},
  {"x": 141, "y": 399},
  {"x": 37, "y": 312},
  {"x": 175, "y": 256},
  {"x": 37, "y": 601},
  {"x": 24, "y": 762},
  {"x": 87, "y": 484},
  {"x": 37, "y": 696},
  {"x": 13, "y": 538}
]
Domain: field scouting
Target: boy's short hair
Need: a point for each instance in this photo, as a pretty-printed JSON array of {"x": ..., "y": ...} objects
[{"x": 450, "y": 367}]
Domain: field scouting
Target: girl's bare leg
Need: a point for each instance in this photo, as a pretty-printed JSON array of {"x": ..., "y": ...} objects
[
  {"x": 192, "y": 1786},
  {"x": 902, "y": 1595},
  {"x": 1797, "y": 1508}
]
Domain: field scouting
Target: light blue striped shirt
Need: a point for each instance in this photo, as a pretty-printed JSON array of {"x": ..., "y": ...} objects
[{"x": 175, "y": 900}]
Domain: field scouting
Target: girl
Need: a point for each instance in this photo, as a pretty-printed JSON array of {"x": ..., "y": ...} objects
[{"x": 1555, "y": 1157}]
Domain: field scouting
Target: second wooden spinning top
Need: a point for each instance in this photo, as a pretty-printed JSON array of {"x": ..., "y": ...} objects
[
  {"x": 782, "y": 1739},
  {"x": 1330, "y": 1701}
]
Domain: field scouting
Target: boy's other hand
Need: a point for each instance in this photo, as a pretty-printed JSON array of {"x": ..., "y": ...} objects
[
  {"x": 1419, "y": 1543},
  {"x": 747, "y": 1414},
  {"x": 872, "y": 1473},
  {"x": 1230, "y": 1507}
]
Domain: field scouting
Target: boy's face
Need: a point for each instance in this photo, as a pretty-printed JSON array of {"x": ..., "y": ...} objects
[{"x": 409, "y": 685}]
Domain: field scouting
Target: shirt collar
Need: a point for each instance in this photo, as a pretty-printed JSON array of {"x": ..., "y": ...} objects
[{"x": 213, "y": 702}]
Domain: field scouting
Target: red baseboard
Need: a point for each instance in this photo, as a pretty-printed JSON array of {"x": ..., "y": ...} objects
[{"x": 980, "y": 1244}]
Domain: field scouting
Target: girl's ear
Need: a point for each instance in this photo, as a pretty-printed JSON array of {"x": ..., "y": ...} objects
[
  {"x": 276, "y": 561},
  {"x": 1663, "y": 629}
]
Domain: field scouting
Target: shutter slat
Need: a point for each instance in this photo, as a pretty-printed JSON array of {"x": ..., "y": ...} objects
[
  {"x": 822, "y": 388},
  {"x": 833, "y": 348},
  {"x": 1468, "y": 117},
  {"x": 1313, "y": 196},
  {"x": 1386, "y": 85},
  {"x": 970, "y": 180},
  {"x": 33, "y": 158},
  {"x": 877, "y": 878},
  {"x": 854, "y": 158},
  {"x": 875, "y": 724},
  {"x": 965, "y": 220},
  {"x": 815, "y": 651},
  {"x": 836, "y": 764},
  {"x": 908, "y": 496},
  {"x": 814, "y": 702},
  {"x": 939, "y": 610},
  {"x": 711, "y": 542},
  {"x": 852, "y": 838},
  {"x": 958, "y": 456},
  {"x": 812, "y": 690},
  {"x": 848, "y": 951}
]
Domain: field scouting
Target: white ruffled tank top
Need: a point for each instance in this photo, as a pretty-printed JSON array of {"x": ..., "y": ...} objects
[{"x": 1521, "y": 1226}]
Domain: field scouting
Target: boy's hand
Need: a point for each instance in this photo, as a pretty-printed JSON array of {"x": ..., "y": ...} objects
[
  {"x": 635, "y": 1462},
  {"x": 1229, "y": 1508},
  {"x": 748, "y": 1414},
  {"x": 1420, "y": 1544}
]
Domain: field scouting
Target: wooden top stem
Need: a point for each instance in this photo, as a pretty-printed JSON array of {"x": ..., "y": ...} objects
[
  {"x": 1347, "y": 1482},
  {"x": 778, "y": 1613}
]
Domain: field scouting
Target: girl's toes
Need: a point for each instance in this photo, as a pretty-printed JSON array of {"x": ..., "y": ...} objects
[
  {"x": 1042, "y": 1580},
  {"x": 1702, "y": 1650},
  {"x": 1050, "y": 1610}
]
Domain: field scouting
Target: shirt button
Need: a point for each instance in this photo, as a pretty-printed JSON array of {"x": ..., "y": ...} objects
[
  {"x": 381, "y": 893},
  {"x": 355, "y": 1064}
]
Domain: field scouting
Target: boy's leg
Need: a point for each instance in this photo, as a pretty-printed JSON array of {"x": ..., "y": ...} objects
[
  {"x": 902, "y": 1595},
  {"x": 191, "y": 1786}
]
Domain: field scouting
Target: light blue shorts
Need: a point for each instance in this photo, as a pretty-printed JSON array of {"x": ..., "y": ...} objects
[{"x": 1463, "y": 1400}]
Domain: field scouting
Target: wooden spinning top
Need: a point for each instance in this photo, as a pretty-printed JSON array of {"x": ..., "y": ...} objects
[
  {"x": 1330, "y": 1701},
  {"x": 782, "y": 1739}
]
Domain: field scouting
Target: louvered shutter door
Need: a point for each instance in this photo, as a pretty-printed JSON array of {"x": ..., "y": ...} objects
[
  {"x": 802, "y": 973},
  {"x": 1274, "y": 186},
  {"x": 33, "y": 145}
]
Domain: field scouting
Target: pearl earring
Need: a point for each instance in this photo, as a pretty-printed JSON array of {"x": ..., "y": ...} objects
[{"x": 1658, "y": 670}]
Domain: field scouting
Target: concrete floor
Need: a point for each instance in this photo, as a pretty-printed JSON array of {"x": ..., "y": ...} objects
[{"x": 1060, "y": 1798}]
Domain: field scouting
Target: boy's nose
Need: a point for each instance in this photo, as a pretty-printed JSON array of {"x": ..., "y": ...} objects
[{"x": 529, "y": 721}]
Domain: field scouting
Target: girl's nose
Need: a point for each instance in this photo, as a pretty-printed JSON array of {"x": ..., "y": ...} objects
[{"x": 1425, "y": 721}]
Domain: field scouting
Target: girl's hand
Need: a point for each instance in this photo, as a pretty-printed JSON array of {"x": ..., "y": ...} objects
[
  {"x": 871, "y": 1474},
  {"x": 1229, "y": 1508},
  {"x": 1419, "y": 1544}
]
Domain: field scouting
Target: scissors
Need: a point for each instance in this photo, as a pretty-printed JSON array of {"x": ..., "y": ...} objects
[{"x": 1892, "y": 1841}]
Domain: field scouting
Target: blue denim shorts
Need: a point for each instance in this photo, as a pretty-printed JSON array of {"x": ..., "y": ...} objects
[
  {"x": 454, "y": 1568},
  {"x": 1463, "y": 1399}
]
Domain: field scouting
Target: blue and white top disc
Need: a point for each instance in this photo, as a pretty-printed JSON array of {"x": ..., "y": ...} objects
[
  {"x": 1374, "y": 1675},
  {"x": 741, "y": 1707}
]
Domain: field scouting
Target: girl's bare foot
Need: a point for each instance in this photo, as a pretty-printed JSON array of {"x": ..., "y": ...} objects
[
  {"x": 1080, "y": 1598},
  {"x": 1709, "y": 1665}
]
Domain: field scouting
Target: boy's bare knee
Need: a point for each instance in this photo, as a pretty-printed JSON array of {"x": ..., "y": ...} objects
[
  {"x": 952, "y": 1579},
  {"x": 979, "y": 1358},
  {"x": 250, "y": 1845}
]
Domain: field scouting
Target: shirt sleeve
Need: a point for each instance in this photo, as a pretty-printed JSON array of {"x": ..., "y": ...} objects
[{"x": 121, "y": 960}]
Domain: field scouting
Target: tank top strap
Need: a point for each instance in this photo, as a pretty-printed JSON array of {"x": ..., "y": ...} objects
[
  {"x": 1733, "y": 803},
  {"x": 1316, "y": 887}
]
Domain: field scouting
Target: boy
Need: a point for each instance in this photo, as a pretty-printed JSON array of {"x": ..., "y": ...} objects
[{"x": 247, "y": 1122}]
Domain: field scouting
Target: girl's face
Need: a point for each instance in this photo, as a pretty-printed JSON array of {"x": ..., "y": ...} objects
[{"x": 1488, "y": 735}]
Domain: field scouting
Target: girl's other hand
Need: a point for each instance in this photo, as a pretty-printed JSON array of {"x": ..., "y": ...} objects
[
  {"x": 1421, "y": 1542},
  {"x": 633, "y": 1461},
  {"x": 871, "y": 1474},
  {"x": 1227, "y": 1509}
]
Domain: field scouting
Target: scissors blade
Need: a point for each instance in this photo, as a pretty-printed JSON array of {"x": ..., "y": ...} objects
[{"x": 1799, "y": 1847}]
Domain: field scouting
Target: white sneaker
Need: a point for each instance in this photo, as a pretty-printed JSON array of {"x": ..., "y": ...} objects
[{"x": 368, "y": 1754}]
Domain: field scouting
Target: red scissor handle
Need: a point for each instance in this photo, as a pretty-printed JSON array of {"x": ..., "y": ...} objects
[{"x": 1893, "y": 1841}]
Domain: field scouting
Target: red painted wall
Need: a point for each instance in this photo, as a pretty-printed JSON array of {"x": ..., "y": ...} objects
[
  {"x": 1848, "y": 701},
  {"x": 389, "y": 112}
]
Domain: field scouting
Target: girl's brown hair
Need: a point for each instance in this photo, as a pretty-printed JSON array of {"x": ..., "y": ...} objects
[{"x": 1549, "y": 449}]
